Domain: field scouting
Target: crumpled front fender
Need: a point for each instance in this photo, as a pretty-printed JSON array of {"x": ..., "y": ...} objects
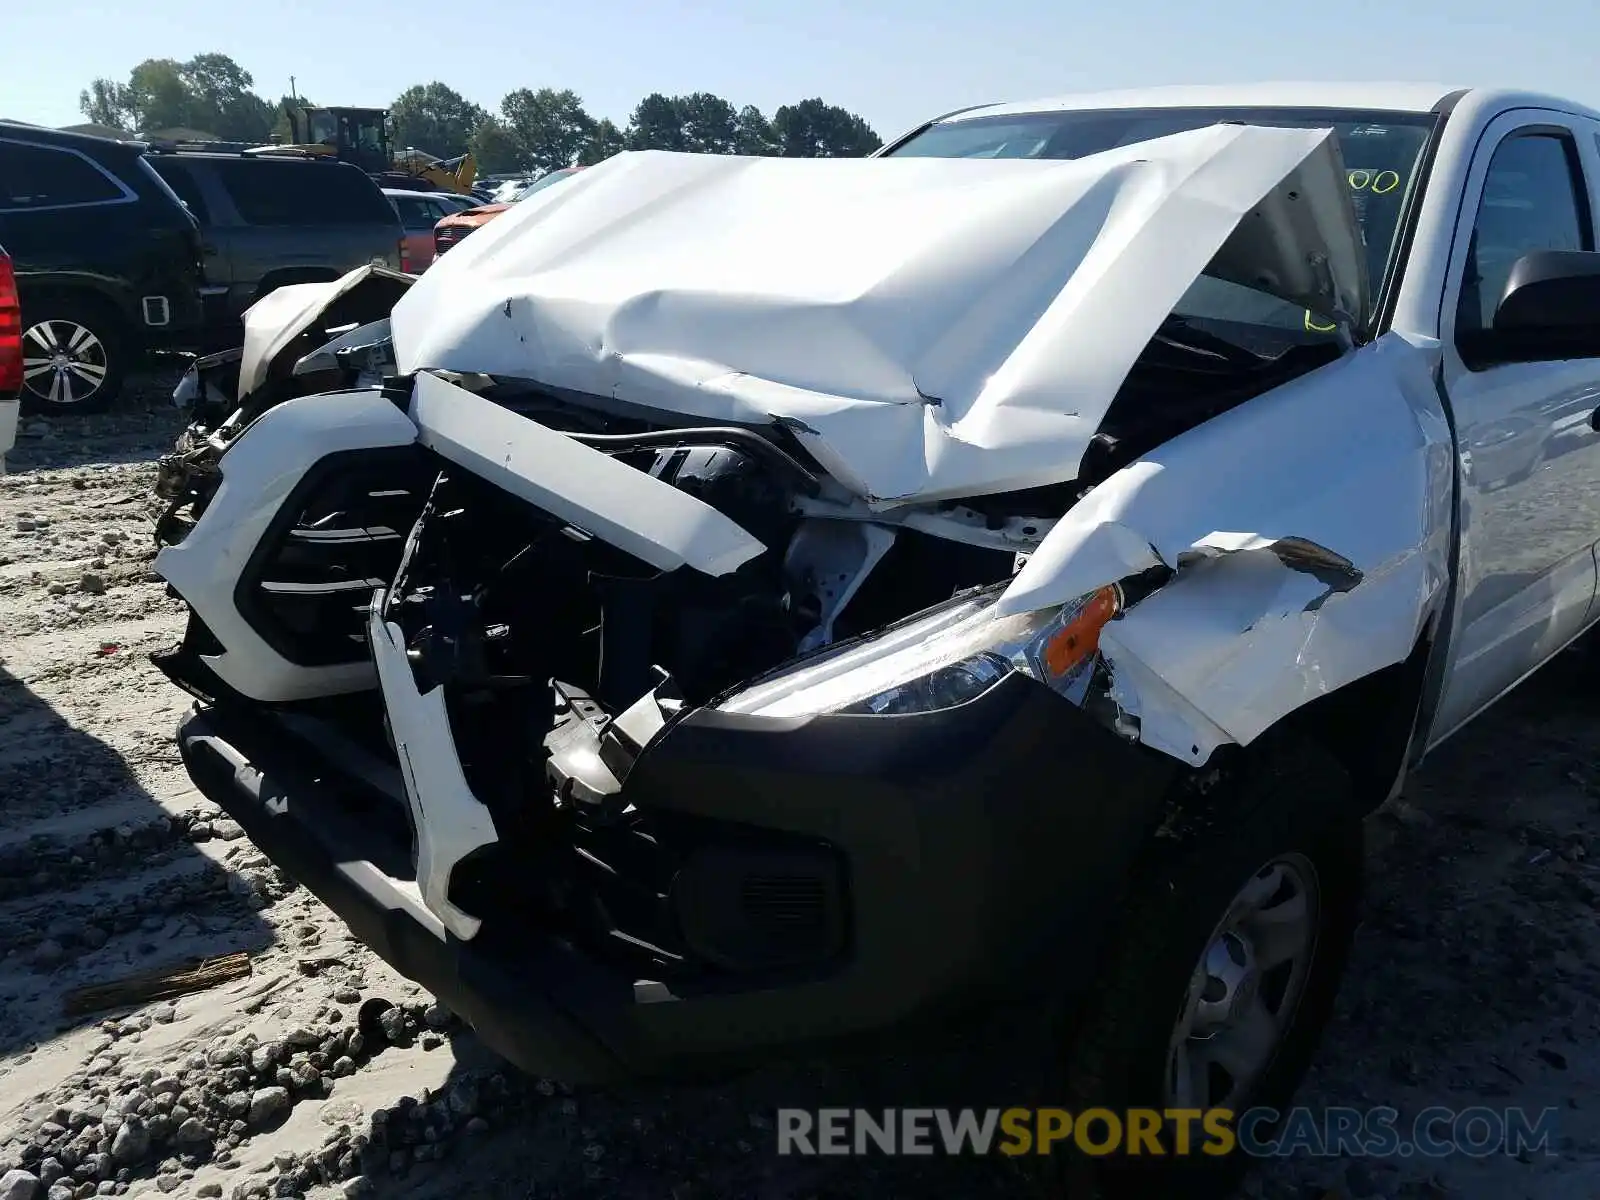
[{"x": 1308, "y": 533}]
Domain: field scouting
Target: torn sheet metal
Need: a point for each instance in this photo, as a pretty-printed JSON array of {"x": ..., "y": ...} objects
[
  {"x": 928, "y": 328},
  {"x": 626, "y": 507},
  {"x": 273, "y": 322},
  {"x": 1319, "y": 565}
]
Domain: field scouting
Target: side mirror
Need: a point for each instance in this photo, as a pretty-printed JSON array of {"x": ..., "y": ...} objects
[{"x": 1549, "y": 310}]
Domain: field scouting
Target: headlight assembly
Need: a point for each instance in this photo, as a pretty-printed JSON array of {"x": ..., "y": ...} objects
[{"x": 941, "y": 659}]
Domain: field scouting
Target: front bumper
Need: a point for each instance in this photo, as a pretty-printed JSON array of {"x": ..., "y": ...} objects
[{"x": 985, "y": 850}]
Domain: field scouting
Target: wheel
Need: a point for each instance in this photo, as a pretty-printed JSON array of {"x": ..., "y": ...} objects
[
  {"x": 1222, "y": 972},
  {"x": 74, "y": 356}
]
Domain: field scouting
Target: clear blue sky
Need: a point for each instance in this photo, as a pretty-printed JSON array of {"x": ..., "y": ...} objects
[{"x": 893, "y": 61}]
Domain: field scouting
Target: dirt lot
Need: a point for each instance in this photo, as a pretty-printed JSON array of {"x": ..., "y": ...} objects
[{"x": 1475, "y": 980}]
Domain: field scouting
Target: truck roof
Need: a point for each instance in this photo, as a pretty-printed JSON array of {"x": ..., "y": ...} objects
[{"x": 1387, "y": 97}]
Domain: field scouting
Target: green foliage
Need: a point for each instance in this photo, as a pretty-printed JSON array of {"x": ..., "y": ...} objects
[
  {"x": 497, "y": 148},
  {"x": 436, "y": 119},
  {"x": 813, "y": 129},
  {"x": 552, "y": 125},
  {"x": 210, "y": 94},
  {"x": 535, "y": 130},
  {"x": 604, "y": 140}
]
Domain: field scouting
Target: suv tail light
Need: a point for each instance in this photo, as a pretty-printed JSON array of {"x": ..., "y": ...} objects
[
  {"x": 10, "y": 331},
  {"x": 405, "y": 256}
]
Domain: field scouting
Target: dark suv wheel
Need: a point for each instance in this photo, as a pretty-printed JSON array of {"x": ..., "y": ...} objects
[{"x": 74, "y": 356}]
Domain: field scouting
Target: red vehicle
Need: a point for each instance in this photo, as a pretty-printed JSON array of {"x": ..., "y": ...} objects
[
  {"x": 455, "y": 227},
  {"x": 419, "y": 213},
  {"x": 10, "y": 356}
]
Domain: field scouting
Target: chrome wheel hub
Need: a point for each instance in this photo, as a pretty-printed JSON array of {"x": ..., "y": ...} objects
[
  {"x": 62, "y": 362},
  {"x": 1244, "y": 990}
]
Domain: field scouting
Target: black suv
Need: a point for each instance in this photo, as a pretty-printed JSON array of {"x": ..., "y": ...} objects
[
  {"x": 108, "y": 263},
  {"x": 267, "y": 221}
]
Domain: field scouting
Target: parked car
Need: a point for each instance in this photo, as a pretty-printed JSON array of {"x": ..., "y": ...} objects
[
  {"x": 452, "y": 229},
  {"x": 270, "y": 221},
  {"x": 419, "y": 212},
  {"x": 777, "y": 601},
  {"x": 107, "y": 263},
  {"x": 10, "y": 356}
]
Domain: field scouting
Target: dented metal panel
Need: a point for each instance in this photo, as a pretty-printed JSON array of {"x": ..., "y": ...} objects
[
  {"x": 927, "y": 328},
  {"x": 1318, "y": 565}
]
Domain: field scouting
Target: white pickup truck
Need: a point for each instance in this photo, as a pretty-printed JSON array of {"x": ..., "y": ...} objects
[{"x": 730, "y": 605}]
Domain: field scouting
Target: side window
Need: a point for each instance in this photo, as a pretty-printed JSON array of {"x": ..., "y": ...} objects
[
  {"x": 1534, "y": 198},
  {"x": 38, "y": 177},
  {"x": 188, "y": 188},
  {"x": 413, "y": 212},
  {"x": 267, "y": 193}
]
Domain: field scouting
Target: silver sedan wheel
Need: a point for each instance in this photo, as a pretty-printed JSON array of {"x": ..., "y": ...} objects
[
  {"x": 62, "y": 362},
  {"x": 1245, "y": 988}
]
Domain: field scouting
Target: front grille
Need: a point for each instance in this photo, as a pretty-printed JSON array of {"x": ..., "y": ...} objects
[{"x": 308, "y": 584}]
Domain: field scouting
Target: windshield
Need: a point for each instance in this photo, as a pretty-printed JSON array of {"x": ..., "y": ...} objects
[
  {"x": 553, "y": 177},
  {"x": 1380, "y": 150}
]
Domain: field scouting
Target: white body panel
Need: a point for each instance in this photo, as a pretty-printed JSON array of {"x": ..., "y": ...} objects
[{"x": 929, "y": 328}]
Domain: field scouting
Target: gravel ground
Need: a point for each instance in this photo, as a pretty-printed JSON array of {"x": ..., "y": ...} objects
[{"x": 324, "y": 1074}]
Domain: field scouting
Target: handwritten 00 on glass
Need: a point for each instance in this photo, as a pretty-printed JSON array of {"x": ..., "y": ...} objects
[{"x": 1379, "y": 183}]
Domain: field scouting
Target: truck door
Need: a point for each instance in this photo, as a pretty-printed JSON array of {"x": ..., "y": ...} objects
[{"x": 1529, "y": 453}]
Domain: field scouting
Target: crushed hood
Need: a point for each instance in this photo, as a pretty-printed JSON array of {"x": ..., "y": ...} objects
[{"x": 928, "y": 328}]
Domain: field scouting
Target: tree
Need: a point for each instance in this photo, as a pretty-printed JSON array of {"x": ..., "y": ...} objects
[
  {"x": 657, "y": 124},
  {"x": 220, "y": 99},
  {"x": 281, "y": 129},
  {"x": 106, "y": 102},
  {"x": 710, "y": 124},
  {"x": 210, "y": 93},
  {"x": 497, "y": 147},
  {"x": 604, "y": 140},
  {"x": 813, "y": 129},
  {"x": 159, "y": 94},
  {"x": 436, "y": 119},
  {"x": 753, "y": 133},
  {"x": 552, "y": 125}
]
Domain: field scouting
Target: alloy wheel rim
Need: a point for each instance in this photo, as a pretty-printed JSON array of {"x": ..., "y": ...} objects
[
  {"x": 1245, "y": 988},
  {"x": 63, "y": 362}
]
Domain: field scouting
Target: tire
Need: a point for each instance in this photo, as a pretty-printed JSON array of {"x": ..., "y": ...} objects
[
  {"x": 78, "y": 351},
  {"x": 1288, "y": 810}
]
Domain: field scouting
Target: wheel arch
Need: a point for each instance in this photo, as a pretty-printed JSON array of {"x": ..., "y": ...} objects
[
  {"x": 1368, "y": 724},
  {"x": 35, "y": 290}
]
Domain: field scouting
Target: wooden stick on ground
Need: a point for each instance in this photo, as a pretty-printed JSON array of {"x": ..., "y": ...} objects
[{"x": 162, "y": 984}]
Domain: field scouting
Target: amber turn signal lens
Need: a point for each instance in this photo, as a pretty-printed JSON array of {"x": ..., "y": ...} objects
[{"x": 1080, "y": 636}]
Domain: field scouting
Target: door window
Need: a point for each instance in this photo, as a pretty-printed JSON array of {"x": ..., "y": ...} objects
[
  {"x": 38, "y": 177},
  {"x": 188, "y": 188},
  {"x": 302, "y": 193},
  {"x": 413, "y": 212},
  {"x": 1533, "y": 199}
]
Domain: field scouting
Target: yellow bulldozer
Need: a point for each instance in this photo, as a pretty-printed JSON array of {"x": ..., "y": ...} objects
[{"x": 363, "y": 137}]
